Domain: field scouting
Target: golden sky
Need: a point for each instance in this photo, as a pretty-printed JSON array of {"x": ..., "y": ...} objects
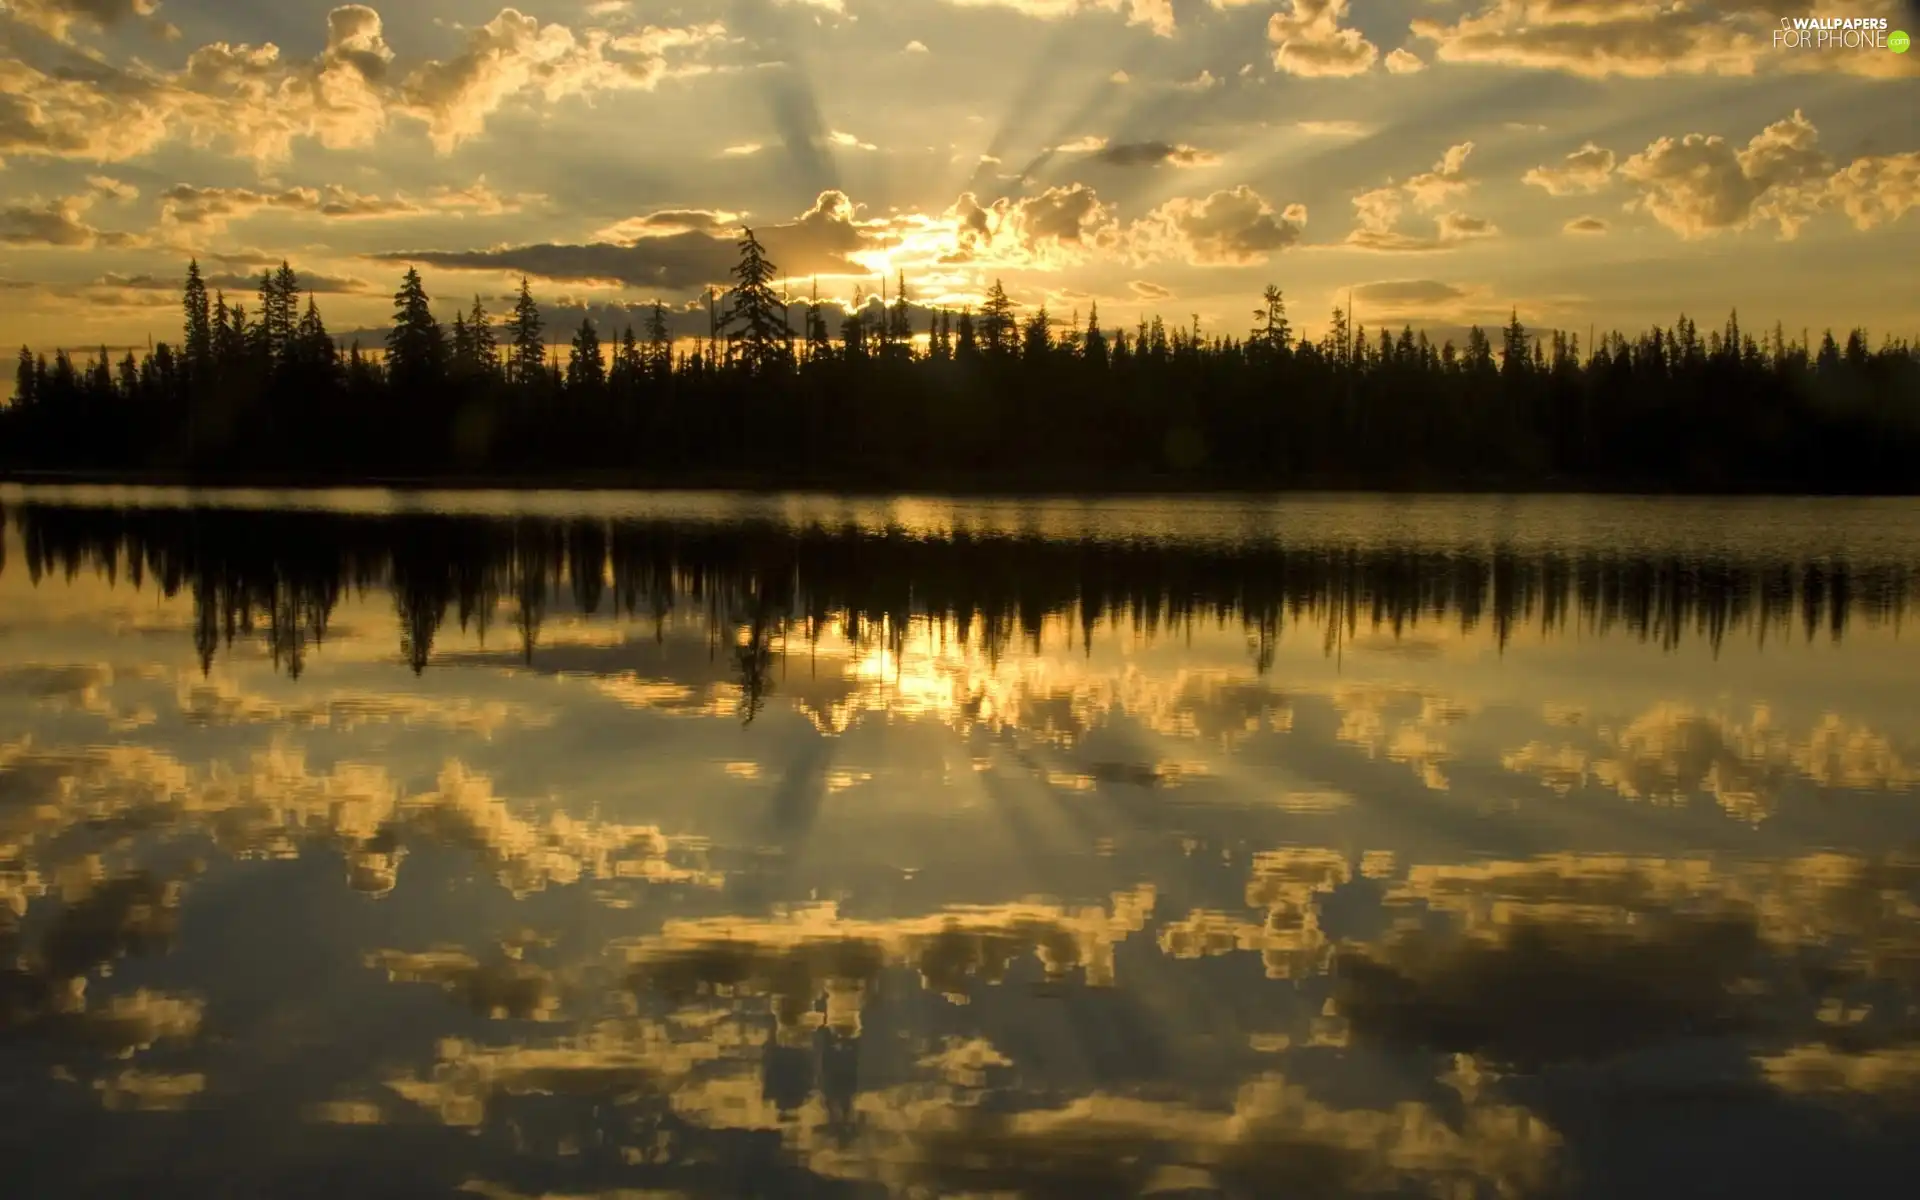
[{"x": 1588, "y": 161}]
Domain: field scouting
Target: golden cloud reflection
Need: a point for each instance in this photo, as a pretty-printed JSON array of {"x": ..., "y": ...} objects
[
  {"x": 813, "y": 956},
  {"x": 1672, "y": 752}
]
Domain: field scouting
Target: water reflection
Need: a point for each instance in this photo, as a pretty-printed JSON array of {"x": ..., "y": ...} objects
[{"x": 608, "y": 854}]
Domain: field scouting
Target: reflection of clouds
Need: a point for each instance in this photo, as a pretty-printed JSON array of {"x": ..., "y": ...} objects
[
  {"x": 1671, "y": 752},
  {"x": 614, "y": 1059},
  {"x": 76, "y": 687},
  {"x": 222, "y": 701},
  {"x": 812, "y": 954},
  {"x": 1289, "y": 883},
  {"x": 1577, "y": 956},
  {"x": 274, "y": 806},
  {"x": 507, "y": 988},
  {"x": 666, "y": 696},
  {"x": 1365, "y": 716},
  {"x": 964, "y": 1062},
  {"x": 150, "y": 1091},
  {"x": 1820, "y": 1070},
  {"x": 1274, "y": 1140},
  {"x": 932, "y": 671}
]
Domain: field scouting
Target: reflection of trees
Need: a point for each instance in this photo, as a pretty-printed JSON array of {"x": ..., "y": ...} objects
[{"x": 287, "y": 569}]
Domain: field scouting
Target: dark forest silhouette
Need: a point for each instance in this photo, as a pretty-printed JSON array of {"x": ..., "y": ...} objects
[
  {"x": 773, "y": 396},
  {"x": 279, "y": 575}
]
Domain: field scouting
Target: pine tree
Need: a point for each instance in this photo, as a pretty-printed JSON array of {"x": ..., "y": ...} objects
[
  {"x": 996, "y": 320},
  {"x": 416, "y": 349},
  {"x": 526, "y": 352},
  {"x": 1093, "y": 346},
  {"x": 198, "y": 339},
  {"x": 1273, "y": 335},
  {"x": 483, "y": 345},
  {"x": 659, "y": 340},
  {"x": 586, "y": 368},
  {"x": 24, "y": 379},
  {"x": 756, "y": 321}
]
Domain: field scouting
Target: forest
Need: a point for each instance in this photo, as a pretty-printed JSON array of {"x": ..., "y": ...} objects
[{"x": 988, "y": 398}]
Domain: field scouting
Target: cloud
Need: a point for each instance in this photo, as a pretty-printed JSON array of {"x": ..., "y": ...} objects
[
  {"x": 1119, "y": 77},
  {"x": 1079, "y": 145},
  {"x": 850, "y": 141},
  {"x": 1153, "y": 154},
  {"x": 1584, "y": 172},
  {"x": 257, "y": 103},
  {"x": 1699, "y": 185},
  {"x": 1409, "y": 293},
  {"x": 743, "y": 149},
  {"x": 310, "y": 281},
  {"x": 916, "y": 46},
  {"x": 820, "y": 241},
  {"x": 713, "y": 222},
  {"x": 1878, "y": 189},
  {"x": 1308, "y": 39},
  {"x": 1405, "y": 62},
  {"x": 108, "y": 188},
  {"x": 185, "y": 205},
  {"x": 60, "y": 222},
  {"x": 56, "y": 18},
  {"x": 1645, "y": 38},
  {"x": 1204, "y": 81},
  {"x": 1156, "y": 15},
  {"x": 1340, "y": 129},
  {"x": 1149, "y": 291},
  {"x": 1447, "y": 178},
  {"x": 1379, "y": 210},
  {"x": 1235, "y": 227}
]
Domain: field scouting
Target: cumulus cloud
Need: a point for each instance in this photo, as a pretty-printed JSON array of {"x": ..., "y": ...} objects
[
  {"x": 1205, "y": 81},
  {"x": 916, "y": 46},
  {"x": 61, "y": 222},
  {"x": 1309, "y": 39},
  {"x": 1153, "y": 154},
  {"x": 1234, "y": 227},
  {"x": 1699, "y": 185},
  {"x": 1156, "y": 15},
  {"x": 1647, "y": 38},
  {"x": 1878, "y": 189},
  {"x": 1583, "y": 173},
  {"x": 254, "y": 101}
]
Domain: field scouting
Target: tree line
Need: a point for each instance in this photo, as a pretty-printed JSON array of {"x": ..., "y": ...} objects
[{"x": 998, "y": 396}]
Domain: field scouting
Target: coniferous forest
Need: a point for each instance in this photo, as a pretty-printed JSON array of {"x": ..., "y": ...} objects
[{"x": 997, "y": 397}]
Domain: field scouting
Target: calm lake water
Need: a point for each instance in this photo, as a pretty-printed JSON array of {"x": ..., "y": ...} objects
[{"x": 693, "y": 845}]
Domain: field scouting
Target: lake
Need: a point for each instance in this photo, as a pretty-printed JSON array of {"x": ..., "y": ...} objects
[{"x": 602, "y": 844}]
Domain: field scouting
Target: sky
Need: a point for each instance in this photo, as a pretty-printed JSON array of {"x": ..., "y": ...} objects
[{"x": 1584, "y": 162}]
